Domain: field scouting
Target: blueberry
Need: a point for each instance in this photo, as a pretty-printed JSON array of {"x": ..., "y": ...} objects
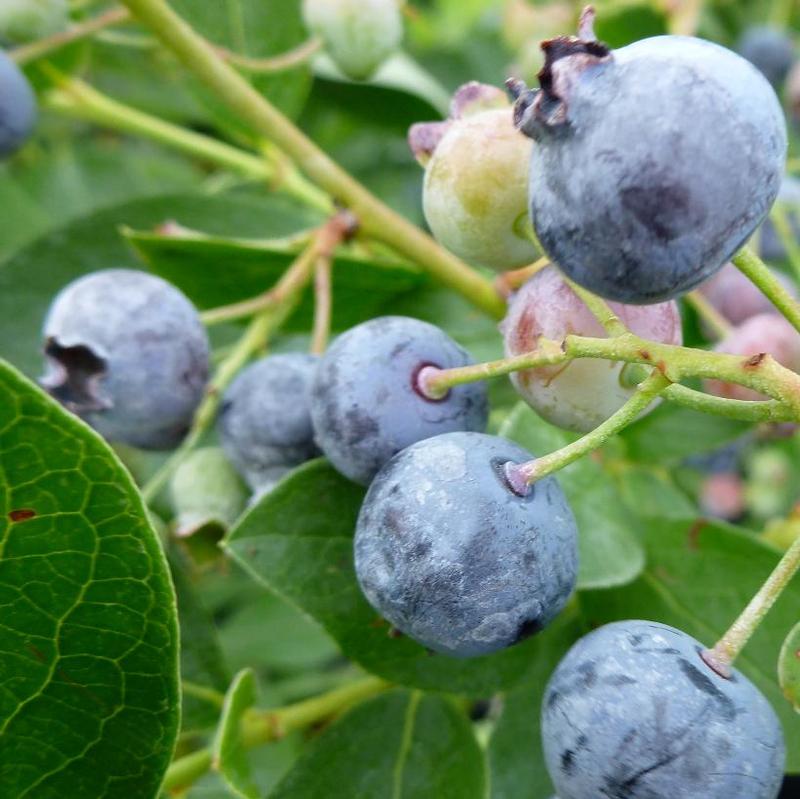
[
  {"x": 359, "y": 35},
  {"x": 24, "y": 21},
  {"x": 365, "y": 402},
  {"x": 653, "y": 164},
  {"x": 770, "y": 246},
  {"x": 765, "y": 333},
  {"x": 769, "y": 49},
  {"x": 475, "y": 194},
  {"x": 18, "y": 111},
  {"x": 451, "y": 556},
  {"x": 581, "y": 394},
  {"x": 126, "y": 351},
  {"x": 633, "y": 711},
  {"x": 265, "y": 420}
]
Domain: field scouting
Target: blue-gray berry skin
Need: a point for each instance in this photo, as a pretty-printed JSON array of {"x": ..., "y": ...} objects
[
  {"x": 633, "y": 192},
  {"x": 265, "y": 420},
  {"x": 769, "y": 49},
  {"x": 364, "y": 402},
  {"x": 18, "y": 112},
  {"x": 633, "y": 712},
  {"x": 770, "y": 246},
  {"x": 126, "y": 351},
  {"x": 452, "y": 557}
]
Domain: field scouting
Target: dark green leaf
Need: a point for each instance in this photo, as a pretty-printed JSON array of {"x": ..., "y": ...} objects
[
  {"x": 404, "y": 744},
  {"x": 789, "y": 667},
  {"x": 671, "y": 433},
  {"x": 516, "y": 761},
  {"x": 700, "y": 576},
  {"x": 89, "y": 640},
  {"x": 298, "y": 542},
  {"x": 361, "y": 288},
  {"x": 230, "y": 756},
  {"x": 611, "y": 552}
]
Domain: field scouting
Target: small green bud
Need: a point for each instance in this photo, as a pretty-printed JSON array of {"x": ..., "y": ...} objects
[
  {"x": 23, "y": 21},
  {"x": 206, "y": 490},
  {"x": 359, "y": 35}
]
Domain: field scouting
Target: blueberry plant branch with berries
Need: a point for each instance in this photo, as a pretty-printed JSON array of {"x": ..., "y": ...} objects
[{"x": 373, "y": 485}]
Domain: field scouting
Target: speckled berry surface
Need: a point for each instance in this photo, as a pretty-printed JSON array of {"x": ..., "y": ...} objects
[
  {"x": 633, "y": 712},
  {"x": 584, "y": 392},
  {"x": 18, "y": 111},
  {"x": 365, "y": 405},
  {"x": 126, "y": 351},
  {"x": 631, "y": 187},
  {"x": 265, "y": 418},
  {"x": 453, "y": 558}
]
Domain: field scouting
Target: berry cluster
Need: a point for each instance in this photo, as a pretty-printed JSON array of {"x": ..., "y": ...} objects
[{"x": 454, "y": 545}]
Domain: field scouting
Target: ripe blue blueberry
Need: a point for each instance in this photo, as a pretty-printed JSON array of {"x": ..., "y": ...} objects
[
  {"x": 632, "y": 189},
  {"x": 770, "y": 246},
  {"x": 453, "y": 557},
  {"x": 18, "y": 111},
  {"x": 769, "y": 49},
  {"x": 265, "y": 420},
  {"x": 365, "y": 402},
  {"x": 634, "y": 711},
  {"x": 127, "y": 352}
]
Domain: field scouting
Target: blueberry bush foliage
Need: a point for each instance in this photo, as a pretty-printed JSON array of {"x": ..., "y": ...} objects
[{"x": 236, "y": 609}]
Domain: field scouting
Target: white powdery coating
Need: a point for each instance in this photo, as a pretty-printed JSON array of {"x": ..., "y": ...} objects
[
  {"x": 633, "y": 711},
  {"x": 358, "y": 34},
  {"x": 476, "y": 191},
  {"x": 766, "y": 333},
  {"x": 582, "y": 393}
]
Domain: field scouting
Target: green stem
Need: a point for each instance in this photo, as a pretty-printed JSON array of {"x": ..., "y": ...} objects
[
  {"x": 323, "y": 302},
  {"x": 286, "y": 291},
  {"x": 82, "y": 30},
  {"x": 752, "y": 266},
  {"x": 375, "y": 217},
  {"x": 727, "y": 649},
  {"x": 278, "y": 63},
  {"x": 79, "y": 100},
  {"x": 742, "y": 410},
  {"x": 709, "y": 314},
  {"x": 600, "y": 309},
  {"x": 783, "y": 227},
  {"x": 263, "y": 726},
  {"x": 203, "y": 693},
  {"x": 523, "y": 475}
]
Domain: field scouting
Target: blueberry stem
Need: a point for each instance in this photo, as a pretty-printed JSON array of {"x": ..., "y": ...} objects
[
  {"x": 279, "y": 63},
  {"x": 375, "y": 217},
  {"x": 323, "y": 301},
  {"x": 710, "y": 315},
  {"x": 783, "y": 228},
  {"x": 506, "y": 283},
  {"x": 77, "y": 99},
  {"x": 82, "y": 30},
  {"x": 599, "y": 308},
  {"x": 647, "y": 392},
  {"x": 727, "y": 649},
  {"x": 263, "y": 726},
  {"x": 753, "y": 267}
]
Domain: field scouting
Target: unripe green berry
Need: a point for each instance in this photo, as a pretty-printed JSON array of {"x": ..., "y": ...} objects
[
  {"x": 206, "y": 490},
  {"x": 359, "y": 35},
  {"x": 24, "y": 21},
  {"x": 476, "y": 181}
]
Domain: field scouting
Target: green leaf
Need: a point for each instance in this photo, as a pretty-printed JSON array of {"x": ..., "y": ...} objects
[
  {"x": 699, "y": 577},
  {"x": 30, "y": 280},
  {"x": 361, "y": 288},
  {"x": 403, "y": 744},
  {"x": 650, "y": 492},
  {"x": 671, "y": 433},
  {"x": 254, "y": 28},
  {"x": 202, "y": 661},
  {"x": 89, "y": 640},
  {"x": 516, "y": 759},
  {"x": 298, "y": 542},
  {"x": 610, "y": 551},
  {"x": 789, "y": 667},
  {"x": 230, "y": 756}
]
